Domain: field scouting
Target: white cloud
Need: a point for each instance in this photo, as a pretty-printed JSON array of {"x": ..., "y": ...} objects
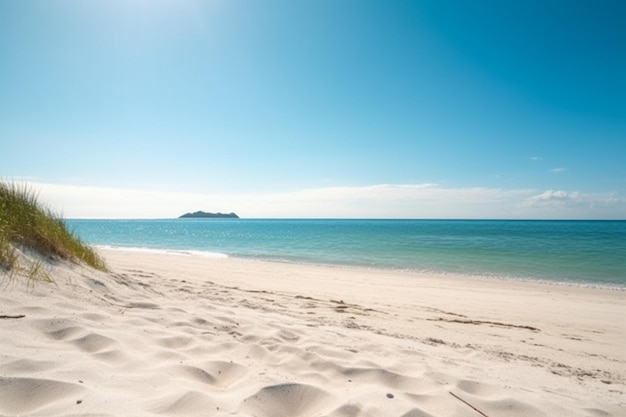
[
  {"x": 375, "y": 201},
  {"x": 557, "y": 170},
  {"x": 398, "y": 201},
  {"x": 536, "y": 158},
  {"x": 574, "y": 204},
  {"x": 552, "y": 196}
]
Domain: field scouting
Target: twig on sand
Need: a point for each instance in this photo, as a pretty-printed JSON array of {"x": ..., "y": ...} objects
[
  {"x": 20, "y": 316},
  {"x": 468, "y": 404}
]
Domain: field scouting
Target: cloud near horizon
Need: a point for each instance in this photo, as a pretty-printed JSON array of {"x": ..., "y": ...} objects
[
  {"x": 588, "y": 205},
  {"x": 375, "y": 201}
]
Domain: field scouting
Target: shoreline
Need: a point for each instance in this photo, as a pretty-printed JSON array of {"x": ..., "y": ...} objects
[
  {"x": 417, "y": 273},
  {"x": 189, "y": 335}
]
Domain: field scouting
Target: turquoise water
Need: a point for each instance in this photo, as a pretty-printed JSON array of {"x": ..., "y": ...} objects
[{"x": 582, "y": 252}]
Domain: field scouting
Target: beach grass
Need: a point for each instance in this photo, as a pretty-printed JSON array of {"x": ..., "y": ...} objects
[{"x": 26, "y": 225}]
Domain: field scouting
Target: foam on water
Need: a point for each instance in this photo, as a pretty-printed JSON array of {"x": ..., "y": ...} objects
[{"x": 200, "y": 253}]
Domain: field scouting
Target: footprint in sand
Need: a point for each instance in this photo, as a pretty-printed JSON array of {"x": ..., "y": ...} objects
[
  {"x": 217, "y": 374},
  {"x": 286, "y": 400},
  {"x": 65, "y": 333},
  {"x": 190, "y": 403},
  {"x": 93, "y": 343}
]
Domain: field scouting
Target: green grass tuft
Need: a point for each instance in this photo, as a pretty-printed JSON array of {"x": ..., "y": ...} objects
[{"x": 27, "y": 224}]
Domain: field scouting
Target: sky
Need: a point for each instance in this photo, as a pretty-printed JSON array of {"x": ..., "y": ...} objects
[{"x": 316, "y": 108}]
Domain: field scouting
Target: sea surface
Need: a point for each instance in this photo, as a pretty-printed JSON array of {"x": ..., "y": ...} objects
[{"x": 575, "y": 252}]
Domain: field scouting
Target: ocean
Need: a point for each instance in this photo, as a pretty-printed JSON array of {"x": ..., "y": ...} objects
[{"x": 589, "y": 253}]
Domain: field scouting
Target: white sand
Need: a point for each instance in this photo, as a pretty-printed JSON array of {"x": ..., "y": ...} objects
[{"x": 186, "y": 335}]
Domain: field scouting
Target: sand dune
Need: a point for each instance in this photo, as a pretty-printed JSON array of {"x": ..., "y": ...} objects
[{"x": 183, "y": 336}]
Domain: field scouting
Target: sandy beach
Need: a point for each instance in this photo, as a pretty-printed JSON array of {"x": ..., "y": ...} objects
[{"x": 189, "y": 335}]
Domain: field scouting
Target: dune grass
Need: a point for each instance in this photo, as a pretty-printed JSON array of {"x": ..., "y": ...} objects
[{"x": 27, "y": 225}]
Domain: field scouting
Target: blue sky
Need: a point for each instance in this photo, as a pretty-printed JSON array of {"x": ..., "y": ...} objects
[{"x": 421, "y": 109}]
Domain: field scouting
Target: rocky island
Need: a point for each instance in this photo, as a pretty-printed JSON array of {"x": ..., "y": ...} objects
[{"x": 205, "y": 215}]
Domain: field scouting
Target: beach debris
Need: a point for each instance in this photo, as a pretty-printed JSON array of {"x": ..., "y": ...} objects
[
  {"x": 490, "y": 323},
  {"x": 468, "y": 404},
  {"x": 19, "y": 316},
  {"x": 433, "y": 341}
]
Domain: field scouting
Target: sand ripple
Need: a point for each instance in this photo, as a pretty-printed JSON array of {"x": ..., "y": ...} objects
[
  {"x": 25, "y": 395},
  {"x": 196, "y": 348}
]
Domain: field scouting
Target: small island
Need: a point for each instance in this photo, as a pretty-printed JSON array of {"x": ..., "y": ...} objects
[{"x": 205, "y": 215}]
